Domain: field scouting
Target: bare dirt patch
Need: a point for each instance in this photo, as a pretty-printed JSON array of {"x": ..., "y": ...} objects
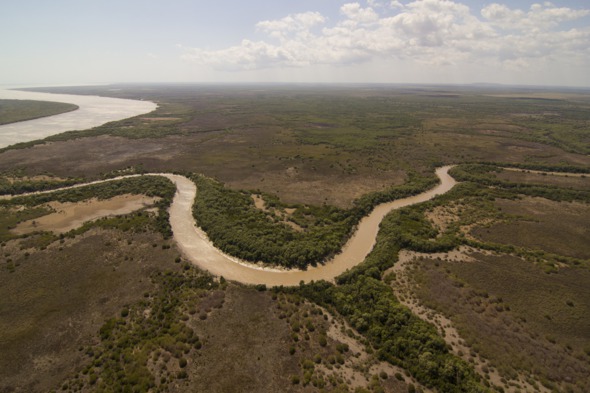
[
  {"x": 70, "y": 216},
  {"x": 283, "y": 215},
  {"x": 259, "y": 202},
  {"x": 442, "y": 217}
]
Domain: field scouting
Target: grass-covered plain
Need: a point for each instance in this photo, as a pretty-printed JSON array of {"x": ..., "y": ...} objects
[
  {"x": 316, "y": 145},
  {"x": 320, "y": 158}
]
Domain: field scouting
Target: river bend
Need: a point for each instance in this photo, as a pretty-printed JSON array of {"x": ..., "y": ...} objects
[
  {"x": 193, "y": 241},
  {"x": 196, "y": 246}
]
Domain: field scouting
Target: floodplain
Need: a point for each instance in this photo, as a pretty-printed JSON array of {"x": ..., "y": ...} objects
[{"x": 124, "y": 308}]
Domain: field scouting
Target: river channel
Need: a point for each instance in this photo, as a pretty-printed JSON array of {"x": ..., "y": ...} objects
[
  {"x": 196, "y": 246},
  {"x": 93, "y": 111},
  {"x": 191, "y": 240}
]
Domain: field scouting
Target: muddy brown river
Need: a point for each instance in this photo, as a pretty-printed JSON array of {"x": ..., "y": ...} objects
[
  {"x": 191, "y": 240},
  {"x": 198, "y": 248}
]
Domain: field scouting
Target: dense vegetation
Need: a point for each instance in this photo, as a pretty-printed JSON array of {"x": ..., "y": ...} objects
[
  {"x": 400, "y": 337},
  {"x": 10, "y": 185},
  {"x": 12, "y": 111},
  {"x": 236, "y": 226}
]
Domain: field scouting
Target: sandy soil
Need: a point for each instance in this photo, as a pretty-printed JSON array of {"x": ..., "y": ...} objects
[
  {"x": 259, "y": 202},
  {"x": 70, "y": 216}
]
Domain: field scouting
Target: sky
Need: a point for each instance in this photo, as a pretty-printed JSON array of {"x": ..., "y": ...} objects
[{"x": 301, "y": 41}]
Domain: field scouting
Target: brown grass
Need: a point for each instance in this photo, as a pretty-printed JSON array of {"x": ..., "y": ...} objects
[
  {"x": 245, "y": 347},
  {"x": 56, "y": 300},
  {"x": 512, "y": 313},
  {"x": 526, "y": 177},
  {"x": 555, "y": 227}
]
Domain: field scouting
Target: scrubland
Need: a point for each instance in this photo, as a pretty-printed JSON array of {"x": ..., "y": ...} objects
[{"x": 114, "y": 306}]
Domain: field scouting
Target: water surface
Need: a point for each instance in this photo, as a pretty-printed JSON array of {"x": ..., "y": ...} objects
[
  {"x": 197, "y": 247},
  {"x": 93, "y": 111}
]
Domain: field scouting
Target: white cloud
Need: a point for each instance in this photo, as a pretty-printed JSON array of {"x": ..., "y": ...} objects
[
  {"x": 431, "y": 32},
  {"x": 539, "y": 17},
  {"x": 396, "y": 4},
  {"x": 292, "y": 23},
  {"x": 500, "y": 13},
  {"x": 354, "y": 12}
]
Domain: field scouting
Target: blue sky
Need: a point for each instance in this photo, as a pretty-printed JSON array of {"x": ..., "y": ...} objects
[{"x": 389, "y": 41}]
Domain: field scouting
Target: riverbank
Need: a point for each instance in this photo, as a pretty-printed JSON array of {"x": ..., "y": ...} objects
[{"x": 196, "y": 247}]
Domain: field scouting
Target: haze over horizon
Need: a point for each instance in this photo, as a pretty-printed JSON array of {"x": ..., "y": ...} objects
[{"x": 424, "y": 41}]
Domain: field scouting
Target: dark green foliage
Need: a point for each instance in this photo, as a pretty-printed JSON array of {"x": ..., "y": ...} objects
[
  {"x": 408, "y": 228},
  {"x": 415, "y": 185},
  {"x": 399, "y": 337},
  {"x": 237, "y": 227},
  {"x": 19, "y": 186}
]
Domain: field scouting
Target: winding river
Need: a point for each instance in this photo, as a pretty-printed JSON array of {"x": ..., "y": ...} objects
[
  {"x": 196, "y": 246},
  {"x": 198, "y": 249},
  {"x": 192, "y": 241}
]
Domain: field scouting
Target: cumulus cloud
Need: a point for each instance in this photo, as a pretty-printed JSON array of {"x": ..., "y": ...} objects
[
  {"x": 539, "y": 17},
  {"x": 355, "y": 13},
  {"x": 292, "y": 23},
  {"x": 436, "y": 32}
]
